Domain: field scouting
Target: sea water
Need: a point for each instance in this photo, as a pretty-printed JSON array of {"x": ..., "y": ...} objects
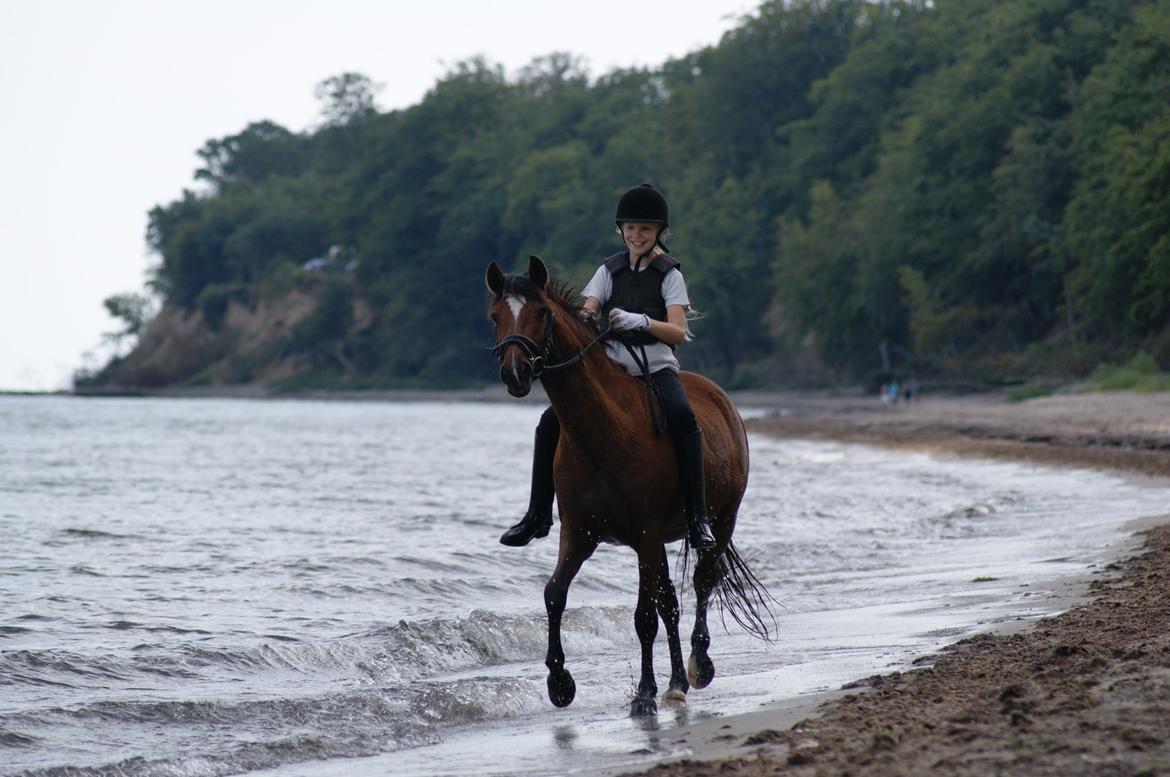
[{"x": 213, "y": 587}]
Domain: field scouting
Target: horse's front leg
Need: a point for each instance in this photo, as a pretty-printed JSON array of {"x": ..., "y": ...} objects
[
  {"x": 574, "y": 551},
  {"x": 700, "y": 668},
  {"x": 667, "y": 602},
  {"x": 646, "y": 626}
]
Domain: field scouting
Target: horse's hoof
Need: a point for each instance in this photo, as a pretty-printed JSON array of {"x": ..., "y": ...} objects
[
  {"x": 561, "y": 688},
  {"x": 642, "y": 707},
  {"x": 674, "y": 698},
  {"x": 700, "y": 671}
]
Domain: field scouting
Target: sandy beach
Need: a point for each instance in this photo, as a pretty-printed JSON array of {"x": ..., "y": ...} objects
[{"x": 1086, "y": 692}]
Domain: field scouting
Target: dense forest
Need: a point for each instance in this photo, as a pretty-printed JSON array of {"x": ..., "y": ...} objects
[{"x": 967, "y": 190}]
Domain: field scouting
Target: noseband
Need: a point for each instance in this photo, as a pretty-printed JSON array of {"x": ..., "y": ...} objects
[{"x": 538, "y": 355}]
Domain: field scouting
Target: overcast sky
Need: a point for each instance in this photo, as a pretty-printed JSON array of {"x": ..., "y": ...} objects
[{"x": 105, "y": 104}]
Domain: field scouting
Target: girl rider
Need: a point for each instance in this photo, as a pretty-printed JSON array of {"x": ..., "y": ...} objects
[{"x": 642, "y": 293}]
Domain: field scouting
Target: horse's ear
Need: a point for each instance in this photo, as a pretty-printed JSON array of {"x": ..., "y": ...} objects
[
  {"x": 494, "y": 278},
  {"x": 537, "y": 272}
]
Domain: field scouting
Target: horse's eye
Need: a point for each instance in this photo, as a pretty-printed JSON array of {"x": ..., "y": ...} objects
[
  {"x": 493, "y": 318},
  {"x": 542, "y": 313}
]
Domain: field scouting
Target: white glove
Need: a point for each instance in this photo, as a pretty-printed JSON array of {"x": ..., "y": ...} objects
[{"x": 624, "y": 321}]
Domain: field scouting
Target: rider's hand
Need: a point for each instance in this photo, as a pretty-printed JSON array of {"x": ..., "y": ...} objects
[{"x": 624, "y": 321}]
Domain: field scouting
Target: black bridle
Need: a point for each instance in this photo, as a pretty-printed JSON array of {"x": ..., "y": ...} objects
[
  {"x": 538, "y": 354},
  {"x": 538, "y": 358}
]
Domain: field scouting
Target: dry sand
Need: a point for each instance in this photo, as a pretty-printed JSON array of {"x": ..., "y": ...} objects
[
  {"x": 1086, "y": 692},
  {"x": 1120, "y": 430}
]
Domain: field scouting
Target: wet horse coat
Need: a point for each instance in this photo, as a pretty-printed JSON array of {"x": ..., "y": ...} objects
[{"x": 617, "y": 480}]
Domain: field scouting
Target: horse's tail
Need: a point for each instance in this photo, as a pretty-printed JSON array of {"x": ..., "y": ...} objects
[{"x": 741, "y": 594}]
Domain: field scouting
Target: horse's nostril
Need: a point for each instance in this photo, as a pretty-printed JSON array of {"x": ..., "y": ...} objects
[
  {"x": 517, "y": 382},
  {"x": 516, "y": 374}
]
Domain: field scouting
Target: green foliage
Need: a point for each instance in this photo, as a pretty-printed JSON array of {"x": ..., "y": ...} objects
[
  {"x": 1118, "y": 225},
  {"x": 962, "y": 243},
  {"x": 330, "y": 319},
  {"x": 347, "y": 98},
  {"x": 264, "y": 149},
  {"x": 1140, "y": 373},
  {"x": 236, "y": 236},
  {"x": 966, "y": 189},
  {"x": 132, "y": 309}
]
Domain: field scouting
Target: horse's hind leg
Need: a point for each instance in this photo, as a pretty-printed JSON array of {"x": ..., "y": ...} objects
[
  {"x": 646, "y": 625},
  {"x": 700, "y": 669},
  {"x": 573, "y": 553},
  {"x": 667, "y": 602}
]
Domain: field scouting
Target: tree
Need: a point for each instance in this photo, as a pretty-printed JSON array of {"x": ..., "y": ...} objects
[
  {"x": 346, "y": 99},
  {"x": 263, "y": 149},
  {"x": 908, "y": 183},
  {"x": 134, "y": 310},
  {"x": 1118, "y": 223}
]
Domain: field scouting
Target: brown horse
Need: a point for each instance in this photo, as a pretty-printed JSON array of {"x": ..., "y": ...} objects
[{"x": 617, "y": 479}]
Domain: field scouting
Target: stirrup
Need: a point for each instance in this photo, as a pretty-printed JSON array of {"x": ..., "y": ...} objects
[{"x": 529, "y": 528}]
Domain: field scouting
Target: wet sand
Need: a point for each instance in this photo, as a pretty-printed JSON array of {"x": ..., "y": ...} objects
[{"x": 1086, "y": 692}]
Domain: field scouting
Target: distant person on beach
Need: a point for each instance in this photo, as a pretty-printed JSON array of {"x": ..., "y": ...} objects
[
  {"x": 889, "y": 392},
  {"x": 651, "y": 321}
]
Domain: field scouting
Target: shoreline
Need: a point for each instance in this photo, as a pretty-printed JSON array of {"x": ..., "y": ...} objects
[
  {"x": 490, "y": 393},
  {"x": 1083, "y": 692},
  {"x": 1121, "y": 431},
  {"x": 776, "y": 739}
]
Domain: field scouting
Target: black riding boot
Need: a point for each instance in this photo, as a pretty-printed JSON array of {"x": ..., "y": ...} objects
[
  {"x": 690, "y": 472},
  {"x": 538, "y": 520}
]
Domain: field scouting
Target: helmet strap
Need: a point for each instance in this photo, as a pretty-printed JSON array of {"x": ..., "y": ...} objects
[{"x": 658, "y": 240}]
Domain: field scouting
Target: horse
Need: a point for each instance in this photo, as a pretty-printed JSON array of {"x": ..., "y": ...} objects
[{"x": 617, "y": 480}]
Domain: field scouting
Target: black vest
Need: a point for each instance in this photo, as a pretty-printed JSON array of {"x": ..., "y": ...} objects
[{"x": 638, "y": 292}]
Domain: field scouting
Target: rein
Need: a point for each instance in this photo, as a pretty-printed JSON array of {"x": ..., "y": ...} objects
[
  {"x": 653, "y": 394},
  {"x": 538, "y": 354}
]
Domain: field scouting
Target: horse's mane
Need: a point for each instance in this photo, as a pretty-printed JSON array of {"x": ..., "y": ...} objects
[{"x": 561, "y": 295}]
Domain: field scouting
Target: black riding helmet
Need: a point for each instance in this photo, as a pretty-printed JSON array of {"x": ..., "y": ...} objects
[{"x": 643, "y": 203}]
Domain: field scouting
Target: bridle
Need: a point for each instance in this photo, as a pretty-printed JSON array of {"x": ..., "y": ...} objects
[{"x": 538, "y": 354}]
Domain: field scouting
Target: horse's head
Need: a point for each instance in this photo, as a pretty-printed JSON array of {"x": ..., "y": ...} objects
[{"x": 523, "y": 323}]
